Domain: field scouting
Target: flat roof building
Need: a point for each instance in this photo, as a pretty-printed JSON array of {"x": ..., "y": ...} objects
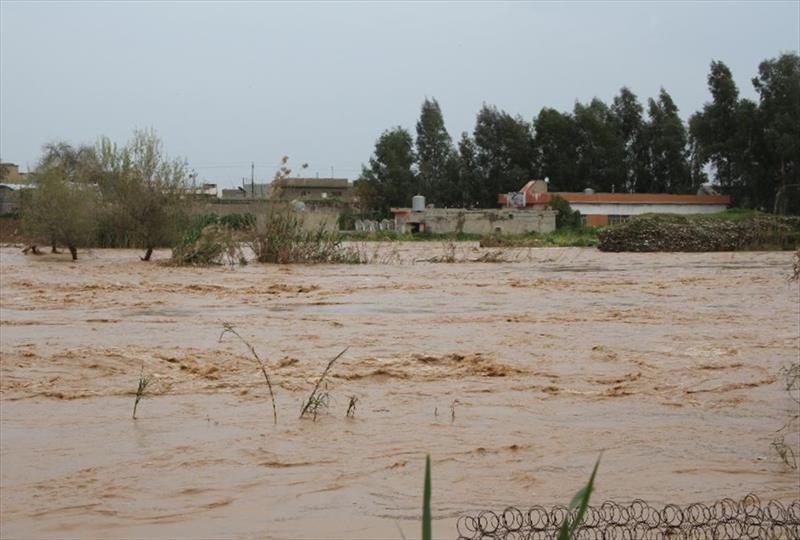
[
  {"x": 9, "y": 174},
  {"x": 289, "y": 189},
  {"x": 599, "y": 209}
]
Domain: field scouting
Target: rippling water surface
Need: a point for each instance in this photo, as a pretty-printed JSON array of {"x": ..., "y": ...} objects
[{"x": 669, "y": 363}]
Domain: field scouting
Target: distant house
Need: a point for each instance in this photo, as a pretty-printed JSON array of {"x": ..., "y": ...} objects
[
  {"x": 599, "y": 209},
  {"x": 246, "y": 191},
  {"x": 314, "y": 189},
  {"x": 9, "y": 174},
  {"x": 463, "y": 221},
  {"x": 10, "y": 197},
  {"x": 290, "y": 189}
]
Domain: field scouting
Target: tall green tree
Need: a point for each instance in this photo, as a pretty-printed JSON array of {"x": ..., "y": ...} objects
[
  {"x": 557, "y": 149},
  {"x": 778, "y": 86},
  {"x": 628, "y": 112},
  {"x": 667, "y": 143},
  {"x": 600, "y": 147},
  {"x": 437, "y": 161},
  {"x": 715, "y": 133},
  {"x": 505, "y": 152},
  {"x": 390, "y": 179},
  {"x": 471, "y": 182}
]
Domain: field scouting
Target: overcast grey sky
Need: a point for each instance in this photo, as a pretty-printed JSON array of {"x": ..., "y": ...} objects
[{"x": 230, "y": 83}]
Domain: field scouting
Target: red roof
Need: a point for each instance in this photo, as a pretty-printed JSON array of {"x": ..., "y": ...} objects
[{"x": 535, "y": 199}]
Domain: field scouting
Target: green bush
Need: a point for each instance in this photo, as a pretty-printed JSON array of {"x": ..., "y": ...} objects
[
  {"x": 567, "y": 237},
  {"x": 566, "y": 217},
  {"x": 212, "y": 239}
]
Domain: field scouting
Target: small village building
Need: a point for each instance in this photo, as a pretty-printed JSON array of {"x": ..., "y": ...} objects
[
  {"x": 247, "y": 191},
  {"x": 600, "y": 209},
  {"x": 315, "y": 189},
  {"x": 483, "y": 221},
  {"x": 10, "y": 174},
  {"x": 291, "y": 189},
  {"x": 10, "y": 197}
]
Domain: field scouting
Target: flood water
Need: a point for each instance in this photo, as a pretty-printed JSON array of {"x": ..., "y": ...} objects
[{"x": 514, "y": 376}]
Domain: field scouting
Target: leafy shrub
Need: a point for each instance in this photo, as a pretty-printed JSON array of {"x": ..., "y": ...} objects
[
  {"x": 566, "y": 217},
  {"x": 211, "y": 239}
]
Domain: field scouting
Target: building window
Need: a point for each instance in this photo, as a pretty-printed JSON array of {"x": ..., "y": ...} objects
[
  {"x": 613, "y": 220},
  {"x": 583, "y": 220}
]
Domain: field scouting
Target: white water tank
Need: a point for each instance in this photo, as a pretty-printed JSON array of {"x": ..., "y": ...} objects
[{"x": 417, "y": 203}]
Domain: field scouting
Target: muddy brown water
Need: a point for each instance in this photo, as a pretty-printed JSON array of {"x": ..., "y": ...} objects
[{"x": 667, "y": 363}]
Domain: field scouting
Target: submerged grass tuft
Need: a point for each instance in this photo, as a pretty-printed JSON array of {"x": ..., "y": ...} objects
[
  {"x": 229, "y": 329},
  {"x": 453, "y": 410},
  {"x": 579, "y": 504},
  {"x": 316, "y": 403},
  {"x": 143, "y": 383},
  {"x": 351, "y": 407},
  {"x": 311, "y": 405}
]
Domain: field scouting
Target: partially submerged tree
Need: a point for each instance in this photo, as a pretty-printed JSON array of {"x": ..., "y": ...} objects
[
  {"x": 144, "y": 189},
  {"x": 63, "y": 206}
]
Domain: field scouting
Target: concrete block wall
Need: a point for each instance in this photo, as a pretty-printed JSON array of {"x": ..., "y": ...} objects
[
  {"x": 504, "y": 221},
  {"x": 312, "y": 219}
]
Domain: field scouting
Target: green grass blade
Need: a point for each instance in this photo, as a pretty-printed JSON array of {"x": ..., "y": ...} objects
[
  {"x": 581, "y": 501},
  {"x": 426, "y": 502}
]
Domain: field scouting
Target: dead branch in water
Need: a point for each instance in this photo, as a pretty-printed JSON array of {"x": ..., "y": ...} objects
[
  {"x": 785, "y": 452},
  {"x": 311, "y": 399},
  {"x": 228, "y": 328}
]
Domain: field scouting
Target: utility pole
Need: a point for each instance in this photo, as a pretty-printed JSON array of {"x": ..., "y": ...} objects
[
  {"x": 253, "y": 179},
  {"x": 331, "y": 171}
]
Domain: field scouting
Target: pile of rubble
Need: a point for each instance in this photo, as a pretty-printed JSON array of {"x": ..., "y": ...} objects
[{"x": 696, "y": 233}]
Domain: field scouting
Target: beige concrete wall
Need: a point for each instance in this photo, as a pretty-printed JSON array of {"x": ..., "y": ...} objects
[
  {"x": 9, "y": 174},
  {"x": 633, "y": 209},
  {"x": 504, "y": 221},
  {"x": 312, "y": 218}
]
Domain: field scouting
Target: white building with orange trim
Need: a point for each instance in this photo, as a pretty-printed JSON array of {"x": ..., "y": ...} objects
[{"x": 599, "y": 209}]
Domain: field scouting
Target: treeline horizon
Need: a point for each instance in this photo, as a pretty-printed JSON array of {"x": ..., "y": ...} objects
[{"x": 748, "y": 150}]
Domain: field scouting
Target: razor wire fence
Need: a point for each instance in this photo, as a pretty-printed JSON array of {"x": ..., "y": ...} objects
[{"x": 725, "y": 519}]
